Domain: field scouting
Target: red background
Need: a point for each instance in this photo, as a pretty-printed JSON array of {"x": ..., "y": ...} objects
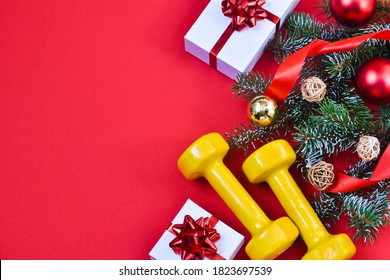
[{"x": 98, "y": 99}]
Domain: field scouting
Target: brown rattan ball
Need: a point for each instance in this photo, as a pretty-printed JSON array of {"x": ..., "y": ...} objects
[
  {"x": 368, "y": 148},
  {"x": 321, "y": 175},
  {"x": 313, "y": 89}
]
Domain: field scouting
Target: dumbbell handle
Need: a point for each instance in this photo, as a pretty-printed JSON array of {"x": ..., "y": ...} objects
[
  {"x": 297, "y": 207},
  {"x": 236, "y": 197}
]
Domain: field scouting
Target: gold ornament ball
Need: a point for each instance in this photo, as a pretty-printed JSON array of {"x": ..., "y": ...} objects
[{"x": 262, "y": 110}]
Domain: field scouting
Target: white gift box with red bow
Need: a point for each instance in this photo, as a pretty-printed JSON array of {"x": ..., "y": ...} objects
[
  {"x": 228, "y": 245},
  {"x": 243, "y": 48}
]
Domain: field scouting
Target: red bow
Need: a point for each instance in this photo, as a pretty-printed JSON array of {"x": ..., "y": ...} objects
[
  {"x": 195, "y": 239},
  {"x": 243, "y": 12}
]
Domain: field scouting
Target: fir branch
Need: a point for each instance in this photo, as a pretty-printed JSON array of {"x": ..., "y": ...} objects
[
  {"x": 383, "y": 121},
  {"x": 343, "y": 93},
  {"x": 325, "y": 8},
  {"x": 327, "y": 207},
  {"x": 332, "y": 130},
  {"x": 306, "y": 24},
  {"x": 314, "y": 143},
  {"x": 355, "y": 117},
  {"x": 367, "y": 213},
  {"x": 374, "y": 27},
  {"x": 383, "y": 6},
  {"x": 241, "y": 137},
  {"x": 358, "y": 111},
  {"x": 249, "y": 85},
  {"x": 361, "y": 169},
  {"x": 340, "y": 66},
  {"x": 293, "y": 109},
  {"x": 301, "y": 29},
  {"x": 297, "y": 109},
  {"x": 282, "y": 47},
  {"x": 313, "y": 67},
  {"x": 245, "y": 137},
  {"x": 382, "y": 11}
]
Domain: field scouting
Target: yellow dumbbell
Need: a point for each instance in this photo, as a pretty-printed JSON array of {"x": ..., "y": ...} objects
[
  {"x": 204, "y": 158},
  {"x": 270, "y": 164}
]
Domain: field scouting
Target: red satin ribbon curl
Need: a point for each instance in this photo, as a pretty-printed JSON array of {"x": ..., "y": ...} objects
[
  {"x": 285, "y": 79},
  {"x": 288, "y": 72},
  {"x": 195, "y": 239},
  {"x": 244, "y": 13}
]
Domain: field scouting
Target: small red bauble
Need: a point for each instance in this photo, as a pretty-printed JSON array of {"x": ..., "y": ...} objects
[
  {"x": 353, "y": 13},
  {"x": 373, "y": 81}
]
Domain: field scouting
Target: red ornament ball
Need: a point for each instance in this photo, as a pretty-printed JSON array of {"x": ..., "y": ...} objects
[
  {"x": 373, "y": 81},
  {"x": 353, "y": 13}
]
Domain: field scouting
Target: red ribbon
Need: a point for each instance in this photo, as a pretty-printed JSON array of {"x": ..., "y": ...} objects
[
  {"x": 195, "y": 239},
  {"x": 345, "y": 183},
  {"x": 288, "y": 72},
  {"x": 286, "y": 76},
  {"x": 244, "y": 13}
]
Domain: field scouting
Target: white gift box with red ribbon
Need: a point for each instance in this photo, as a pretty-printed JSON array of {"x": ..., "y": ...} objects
[
  {"x": 243, "y": 49},
  {"x": 228, "y": 245}
]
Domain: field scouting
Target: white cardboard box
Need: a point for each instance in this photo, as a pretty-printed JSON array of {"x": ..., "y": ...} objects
[
  {"x": 244, "y": 48},
  {"x": 228, "y": 245}
]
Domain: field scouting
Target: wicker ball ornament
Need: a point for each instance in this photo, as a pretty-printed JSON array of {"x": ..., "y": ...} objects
[
  {"x": 313, "y": 89},
  {"x": 321, "y": 175},
  {"x": 368, "y": 148}
]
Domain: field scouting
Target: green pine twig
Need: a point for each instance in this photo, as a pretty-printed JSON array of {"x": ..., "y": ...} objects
[
  {"x": 327, "y": 207},
  {"x": 249, "y": 85},
  {"x": 332, "y": 130},
  {"x": 367, "y": 212}
]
